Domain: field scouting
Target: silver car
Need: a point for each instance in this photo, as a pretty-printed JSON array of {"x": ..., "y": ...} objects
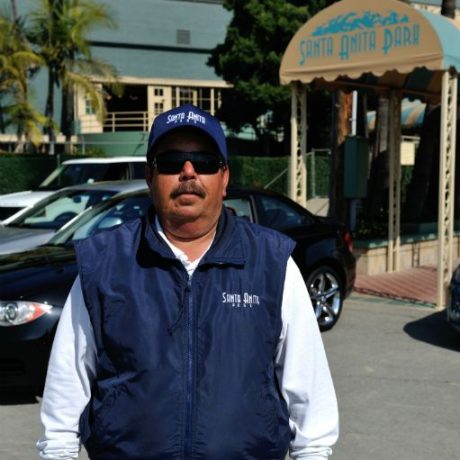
[
  {"x": 36, "y": 225},
  {"x": 74, "y": 172}
]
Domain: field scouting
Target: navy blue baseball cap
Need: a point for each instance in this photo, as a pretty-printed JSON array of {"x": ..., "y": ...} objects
[{"x": 187, "y": 116}]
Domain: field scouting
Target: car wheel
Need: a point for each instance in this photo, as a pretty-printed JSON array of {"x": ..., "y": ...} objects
[{"x": 325, "y": 288}]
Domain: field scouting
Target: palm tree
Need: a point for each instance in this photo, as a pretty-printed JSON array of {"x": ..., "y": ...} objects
[
  {"x": 60, "y": 29},
  {"x": 17, "y": 62}
]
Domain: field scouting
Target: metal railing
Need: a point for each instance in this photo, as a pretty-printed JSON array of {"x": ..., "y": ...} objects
[{"x": 117, "y": 121}]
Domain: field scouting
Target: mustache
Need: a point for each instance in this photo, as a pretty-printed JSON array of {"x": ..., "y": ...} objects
[{"x": 189, "y": 188}]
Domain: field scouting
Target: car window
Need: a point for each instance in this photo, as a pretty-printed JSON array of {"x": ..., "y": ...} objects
[
  {"x": 116, "y": 171},
  {"x": 138, "y": 169},
  {"x": 75, "y": 174},
  {"x": 241, "y": 207},
  {"x": 124, "y": 211},
  {"x": 278, "y": 214},
  {"x": 54, "y": 212}
]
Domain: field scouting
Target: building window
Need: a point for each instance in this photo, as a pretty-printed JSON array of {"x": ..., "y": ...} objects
[
  {"x": 89, "y": 109},
  {"x": 187, "y": 95},
  {"x": 205, "y": 100},
  {"x": 208, "y": 99},
  {"x": 158, "y": 107}
]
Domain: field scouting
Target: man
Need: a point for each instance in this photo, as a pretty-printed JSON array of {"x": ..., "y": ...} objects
[{"x": 189, "y": 335}]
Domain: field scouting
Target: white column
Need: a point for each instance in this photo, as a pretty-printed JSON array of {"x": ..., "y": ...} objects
[
  {"x": 394, "y": 185},
  {"x": 446, "y": 184},
  {"x": 298, "y": 159},
  {"x": 294, "y": 143},
  {"x": 302, "y": 158}
]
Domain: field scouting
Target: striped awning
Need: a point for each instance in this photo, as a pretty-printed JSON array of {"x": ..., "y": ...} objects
[
  {"x": 384, "y": 44},
  {"x": 412, "y": 113}
]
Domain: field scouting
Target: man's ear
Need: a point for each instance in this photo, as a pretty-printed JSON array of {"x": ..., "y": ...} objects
[{"x": 226, "y": 179}]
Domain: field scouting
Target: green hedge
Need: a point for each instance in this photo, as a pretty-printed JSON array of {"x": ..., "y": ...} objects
[
  {"x": 25, "y": 172},
  {"x": 318, "y": 177},
  {"x": 272, "y": 173},
  {"x": 259, "y": 172}
]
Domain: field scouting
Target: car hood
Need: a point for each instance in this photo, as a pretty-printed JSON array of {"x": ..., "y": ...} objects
[
  {"x": 44, "y": 274},
  {"x": 22, "y": 199},
  {"x": 15, "y": 239}
]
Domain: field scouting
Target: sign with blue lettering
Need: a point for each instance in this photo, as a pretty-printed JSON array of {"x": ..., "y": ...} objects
[
  {"x": 353, "y": 37},
  {"x": 360, "y": 33}
]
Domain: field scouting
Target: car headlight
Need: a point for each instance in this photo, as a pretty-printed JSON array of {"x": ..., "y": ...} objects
[{"x": 14, "y": 313}]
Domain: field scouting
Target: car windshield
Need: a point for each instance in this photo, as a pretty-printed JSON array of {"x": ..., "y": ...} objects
[
  {"x": 85, "y": 173},
  {"x": 279, "y": 214},
  {"x": 105, "y": 215},
  {"x": 56, "y": 210}
]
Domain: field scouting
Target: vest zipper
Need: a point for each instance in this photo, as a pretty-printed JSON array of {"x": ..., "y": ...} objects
[{"x": 190, "y": 373}]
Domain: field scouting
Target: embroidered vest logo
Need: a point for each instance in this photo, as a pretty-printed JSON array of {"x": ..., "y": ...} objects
[{"x": 240, "y": 300}]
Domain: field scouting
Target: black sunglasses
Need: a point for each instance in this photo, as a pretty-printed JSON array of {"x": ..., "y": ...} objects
[{"x": 172, "y": 162}]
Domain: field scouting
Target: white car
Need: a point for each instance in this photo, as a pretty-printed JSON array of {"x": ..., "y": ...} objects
[
  {"x": 38, "y": 223},
  {"x": 73, "y": 172}
]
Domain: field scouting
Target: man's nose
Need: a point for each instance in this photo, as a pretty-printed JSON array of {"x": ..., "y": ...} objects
[{"x": 188, "y": 170}]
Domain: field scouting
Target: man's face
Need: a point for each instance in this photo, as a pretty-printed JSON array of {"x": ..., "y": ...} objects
[{"x": 188, "y": 196}]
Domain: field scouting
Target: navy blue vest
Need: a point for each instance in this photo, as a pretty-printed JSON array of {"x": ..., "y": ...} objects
[{"x": 185, "y": 367}]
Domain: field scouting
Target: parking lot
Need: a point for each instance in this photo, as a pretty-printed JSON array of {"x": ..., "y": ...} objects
[
  {"x": 396, "y": 368},
  {"x": 397, "y": 373}
]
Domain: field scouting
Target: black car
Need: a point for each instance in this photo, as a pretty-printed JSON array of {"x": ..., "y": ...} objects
[
  {"x": 323, "y": 251},
  {"x": 34, "y": 284}
]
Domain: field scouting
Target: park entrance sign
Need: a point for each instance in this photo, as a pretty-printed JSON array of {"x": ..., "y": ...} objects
[
  {"x": 354, "y": 35},
  {"x": 353, "y": 38},
  {"x": 399, "y": 51}
]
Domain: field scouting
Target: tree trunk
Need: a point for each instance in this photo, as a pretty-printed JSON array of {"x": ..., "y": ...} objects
[
  {"x": 20, "y": 129},
  {"x": 448, "y": 8},
  {"x": 49, "y": 113},
  {"x": 67, "y": 116},
  {"x": 417, "y": 192},
  {"x": 14, "y": 10},
  {"x": 21, "y": 140},
  {"x": 341, "y": 129},
  {"x": 377, "y": 189},
  {"x": 2, "y": 120}
]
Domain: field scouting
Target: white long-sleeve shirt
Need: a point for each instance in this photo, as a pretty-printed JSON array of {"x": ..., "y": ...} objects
[{"x": 300, "y": 362}]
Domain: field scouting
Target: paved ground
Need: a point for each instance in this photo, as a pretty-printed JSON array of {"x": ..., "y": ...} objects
[
  {"x": 417, "y": 285},
  {"x": 396, "y": 368}
]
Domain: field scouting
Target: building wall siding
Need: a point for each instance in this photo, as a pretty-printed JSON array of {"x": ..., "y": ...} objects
[
  {"x": 155, "y": 22},
  {"x": 166, "y": 64}
]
